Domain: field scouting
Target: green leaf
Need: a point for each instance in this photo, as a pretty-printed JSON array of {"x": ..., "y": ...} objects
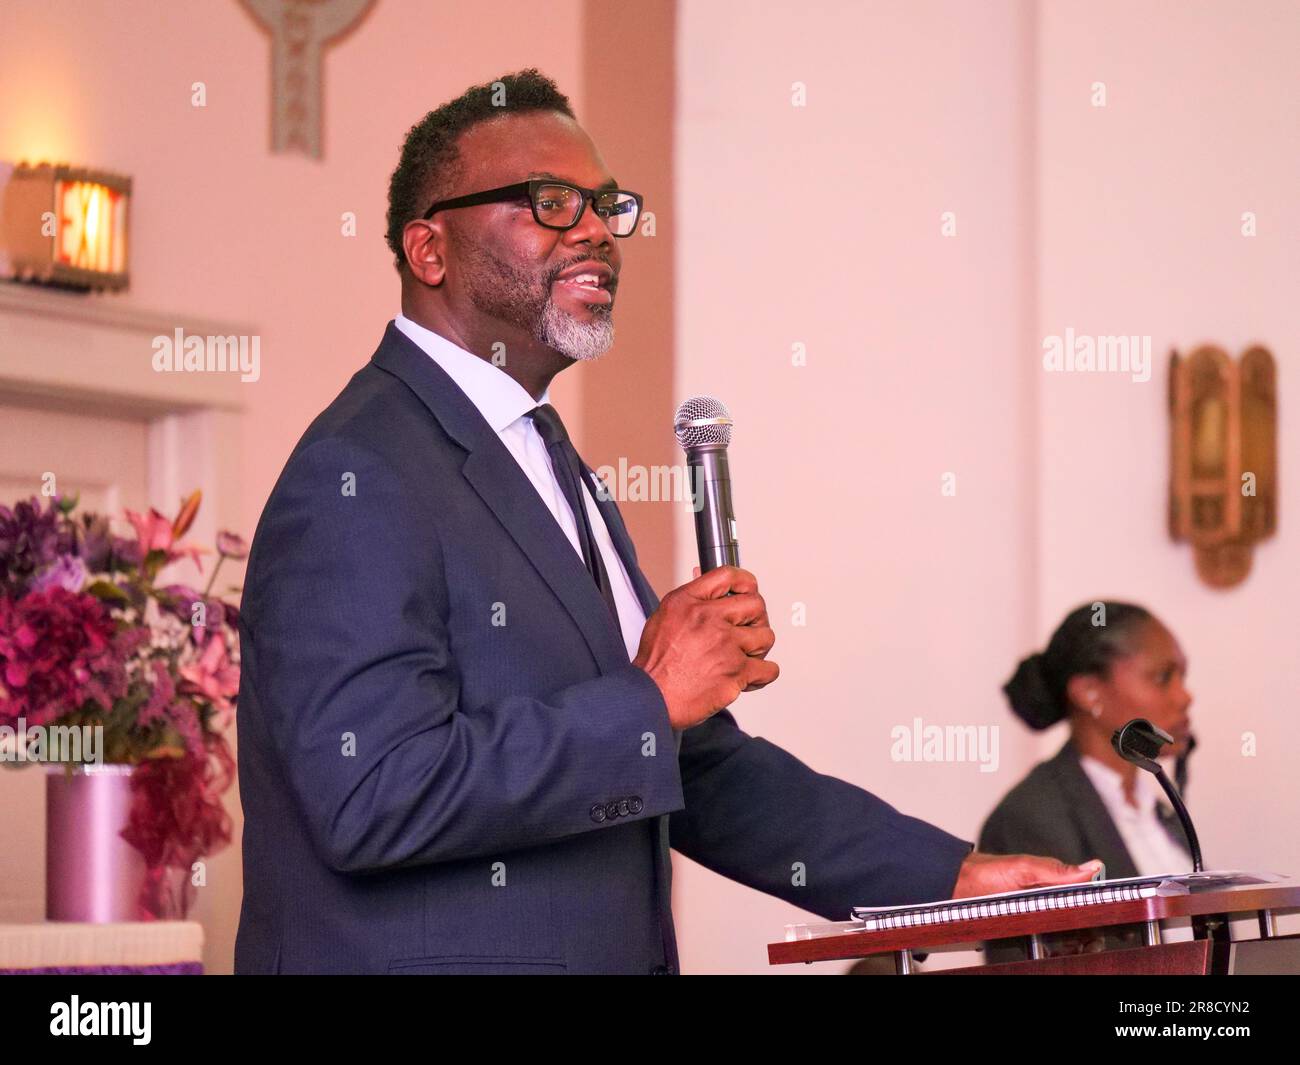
[{"x": 107, "y": 590}]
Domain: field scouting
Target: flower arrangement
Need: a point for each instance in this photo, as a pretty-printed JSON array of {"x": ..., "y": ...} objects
[{"x": 88, "y": 637}]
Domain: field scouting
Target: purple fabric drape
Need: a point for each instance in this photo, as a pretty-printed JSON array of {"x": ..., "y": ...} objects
[{"x": 180, "y": 968}]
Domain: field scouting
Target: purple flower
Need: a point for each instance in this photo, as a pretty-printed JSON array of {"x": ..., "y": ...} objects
[
  {"x": 180, "y": 599},
  {"x": 67, "y": 572},
  {"x": 104, "y": 552},
  {"x": 30, "y": 539},
  {"x": 230, "y": 545}
]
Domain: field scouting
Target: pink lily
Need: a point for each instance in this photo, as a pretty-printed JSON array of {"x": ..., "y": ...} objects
[
  {"x": 213, "y": 676},
  {"x": 156, "y": 533}
]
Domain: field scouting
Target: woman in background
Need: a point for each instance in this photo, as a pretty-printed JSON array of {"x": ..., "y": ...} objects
[{"x": 1106, "y": 664}]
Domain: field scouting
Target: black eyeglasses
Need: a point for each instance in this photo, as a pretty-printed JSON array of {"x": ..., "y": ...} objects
[{"x": 557, "y": 205}]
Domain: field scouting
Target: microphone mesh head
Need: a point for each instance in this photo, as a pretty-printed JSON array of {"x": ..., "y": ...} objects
[{"x": 702, "y": 420}]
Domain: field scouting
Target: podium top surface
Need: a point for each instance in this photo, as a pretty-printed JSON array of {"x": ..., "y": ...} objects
[{"x": 844, "y": 941}]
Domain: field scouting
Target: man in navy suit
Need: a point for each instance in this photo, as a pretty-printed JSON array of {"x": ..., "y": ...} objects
[{"x": 468, "y": 729}]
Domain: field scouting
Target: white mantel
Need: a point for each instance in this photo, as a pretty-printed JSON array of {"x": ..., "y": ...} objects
[{"x": 90, "y": 352}]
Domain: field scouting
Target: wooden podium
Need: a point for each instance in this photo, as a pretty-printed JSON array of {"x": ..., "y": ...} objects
[{"x": 1212, "y": 952}]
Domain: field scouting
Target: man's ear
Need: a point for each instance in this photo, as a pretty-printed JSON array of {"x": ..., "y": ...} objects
[{"x": 425, "y": 245}]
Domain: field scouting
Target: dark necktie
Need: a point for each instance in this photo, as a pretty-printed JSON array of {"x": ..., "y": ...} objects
[{"x": 569, "y": 474}]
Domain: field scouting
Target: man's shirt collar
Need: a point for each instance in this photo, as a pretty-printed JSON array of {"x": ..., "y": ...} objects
[{"x": 499, "y": 397}]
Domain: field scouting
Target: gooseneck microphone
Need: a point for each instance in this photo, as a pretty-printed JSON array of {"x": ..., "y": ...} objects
[
  {"x": 703, "y": 428},
  {"x": 1140, "y": 742}
]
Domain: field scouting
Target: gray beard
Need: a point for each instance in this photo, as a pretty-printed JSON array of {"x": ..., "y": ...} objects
[
  {"x": 577, "y": 340},
  {"x": 498, "y": 289}
]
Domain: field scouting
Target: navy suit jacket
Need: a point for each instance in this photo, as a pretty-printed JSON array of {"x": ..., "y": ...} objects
[{"x": 446, "y": 761}]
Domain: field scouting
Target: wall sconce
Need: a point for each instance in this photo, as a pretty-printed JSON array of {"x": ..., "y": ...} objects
[
  {"x": 64, "y": 226},
  {"x": 1223, "y": 476}
]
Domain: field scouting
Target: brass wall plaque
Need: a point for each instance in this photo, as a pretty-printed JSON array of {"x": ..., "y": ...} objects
[{"x": 1223, "y": 454}]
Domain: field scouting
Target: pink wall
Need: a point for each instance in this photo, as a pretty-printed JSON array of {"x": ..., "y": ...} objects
[
  {"x": 917, "y": 603},
  {"x": 1140, "y": 232},
  {"x": 924, "y": 356}
]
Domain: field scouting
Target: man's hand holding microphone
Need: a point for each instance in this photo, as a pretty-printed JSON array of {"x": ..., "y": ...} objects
[
  {"x": 707, "y": 643},
  {"x": 708, "y": 640}
]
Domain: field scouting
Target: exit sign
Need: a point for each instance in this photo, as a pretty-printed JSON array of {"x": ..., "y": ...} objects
[{"x": 66, "y": 226}]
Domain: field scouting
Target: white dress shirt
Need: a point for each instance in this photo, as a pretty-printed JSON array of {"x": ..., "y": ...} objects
[
  {"x": 504, "y": 404},
  {"x": 1149, "y": 845}
]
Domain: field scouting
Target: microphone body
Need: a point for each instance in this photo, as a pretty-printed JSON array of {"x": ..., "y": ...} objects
[
  {"x": 715, "y": 521},
  {"x": 703, "y": 428}
]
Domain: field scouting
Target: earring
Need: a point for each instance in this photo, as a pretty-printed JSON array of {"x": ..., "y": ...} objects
[{"x": 1094, "y": 708}]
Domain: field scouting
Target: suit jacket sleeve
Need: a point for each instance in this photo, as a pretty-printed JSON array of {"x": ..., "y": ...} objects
[
  {"x": 753, "y": 811},
  {"x": 356, "y": 690}
]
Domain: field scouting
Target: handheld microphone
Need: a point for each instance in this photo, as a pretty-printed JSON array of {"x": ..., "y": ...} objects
[
  {"x": 703, "y": 428},
  {"x": 1140, "y": 743}
]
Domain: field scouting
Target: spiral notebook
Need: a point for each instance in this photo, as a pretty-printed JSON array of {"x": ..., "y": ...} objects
[{"x": 1065, "y": 896}]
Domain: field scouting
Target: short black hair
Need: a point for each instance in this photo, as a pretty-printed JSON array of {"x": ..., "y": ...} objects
[
  {"x": 1087, "y": 641},
  {"x": 430, "y": 157}
]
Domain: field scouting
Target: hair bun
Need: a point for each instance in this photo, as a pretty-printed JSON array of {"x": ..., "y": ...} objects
[{"x": 1030, "y": 696}]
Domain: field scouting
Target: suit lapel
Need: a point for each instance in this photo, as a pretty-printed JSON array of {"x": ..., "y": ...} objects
[
  {"x": 1100, "y": 836},
  {"x": 495, "y": 475}
]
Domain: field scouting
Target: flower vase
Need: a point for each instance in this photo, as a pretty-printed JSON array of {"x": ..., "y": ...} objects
[{"x": 91, "y": 873}]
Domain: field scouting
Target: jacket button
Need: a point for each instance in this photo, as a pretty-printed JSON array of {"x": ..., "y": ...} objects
[
  {"x": 598, "y": 813},
  {"x": 635, "y": 805},
  {"x": 624, "y": 808},
  {"x": 611, "y": 810}
]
